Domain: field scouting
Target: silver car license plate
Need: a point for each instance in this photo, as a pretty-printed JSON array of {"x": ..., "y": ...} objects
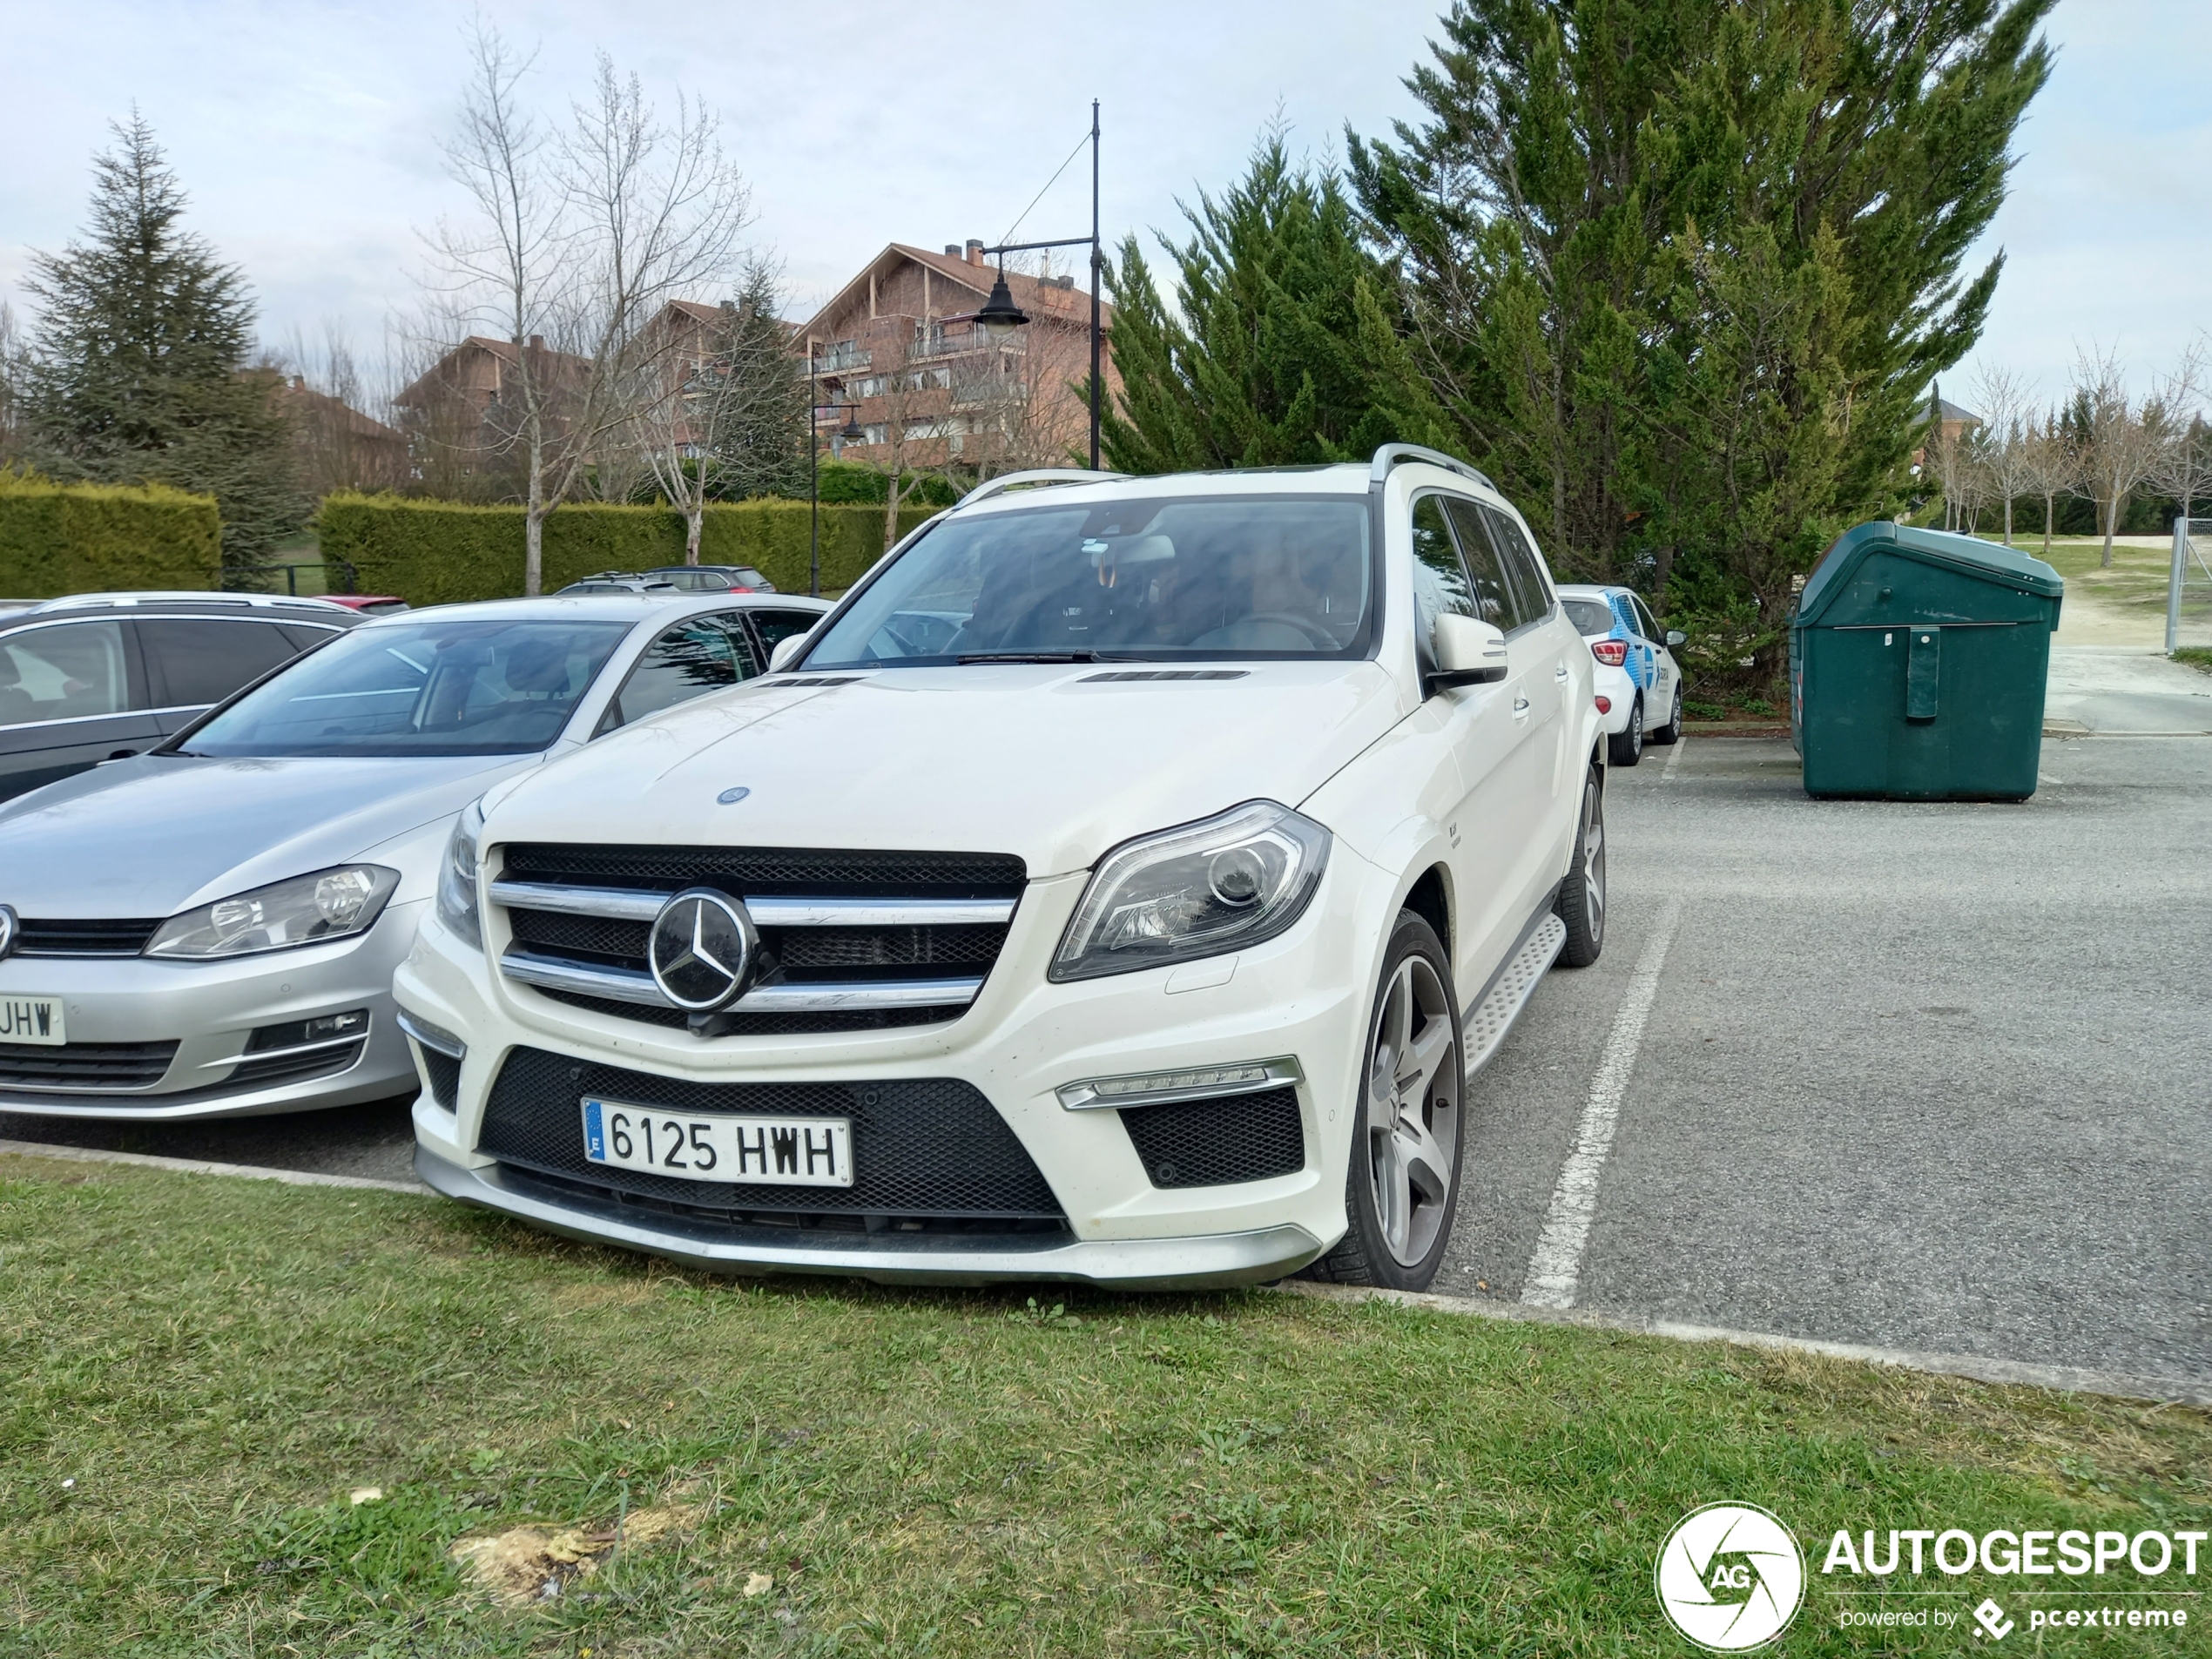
[
  {"x": 33, "y": 1018},
  {"x": 716, "y": 1146}
]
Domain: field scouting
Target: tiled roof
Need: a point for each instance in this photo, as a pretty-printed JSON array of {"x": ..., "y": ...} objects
[{"x": 1038, "y": 298}]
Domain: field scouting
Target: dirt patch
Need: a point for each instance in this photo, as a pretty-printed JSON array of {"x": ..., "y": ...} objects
[{"x": 526, "y": 1564}]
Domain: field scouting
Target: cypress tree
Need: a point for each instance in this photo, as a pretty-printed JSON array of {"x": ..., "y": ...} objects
[
  {"x": 138, "y": 367},
  {"x": 1289, "y": 356}
]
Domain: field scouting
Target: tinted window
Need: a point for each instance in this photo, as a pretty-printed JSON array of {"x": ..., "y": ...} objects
[
  {"x": 1523, "y": 568},
  {"x": 63, "y": 673},
  {"x": 750, "y": 661},
  {"x": 1143, "y": 579},
  {"x": 776, "y": 626},
  {"x": 1645, "y": 626},
  {"x": 1588, "y": 616},
  {"x": 1440, "y": 580},
  {"x": 688, "y": 661},
  {"x": 1491, "y": 592},
  {"x": 425, "y": 688},
  {"x": 204, "y": 659}
]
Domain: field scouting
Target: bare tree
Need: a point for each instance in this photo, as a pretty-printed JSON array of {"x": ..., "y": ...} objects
[
  {"x": 909, "y": 438},
  {"x": 12, "y": 351},
  {"x": 2003, "y": 453},
  {"x": 2182, "y": 468},
  {"x": 2049, "y": 467},
  {"x": 580, "y": 235},
  {"x": 2122, "y": 440},
  {"x": 340, "y": 413}
]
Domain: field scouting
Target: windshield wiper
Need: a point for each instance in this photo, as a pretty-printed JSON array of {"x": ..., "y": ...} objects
[{"x": 966, "y": 658}]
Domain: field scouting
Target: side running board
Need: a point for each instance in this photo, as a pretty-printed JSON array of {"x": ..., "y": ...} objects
[{"x": 1488, "y": 1023}]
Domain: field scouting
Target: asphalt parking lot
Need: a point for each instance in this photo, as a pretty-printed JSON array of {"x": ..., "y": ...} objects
[{"x": 1930, "y": 1077}]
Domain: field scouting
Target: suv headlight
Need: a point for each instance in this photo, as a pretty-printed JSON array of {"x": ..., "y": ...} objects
[
  {"x": 1197, "y": 890},
  {"x": 456, "y": 903},
  {"x": 306, "y": 910}
]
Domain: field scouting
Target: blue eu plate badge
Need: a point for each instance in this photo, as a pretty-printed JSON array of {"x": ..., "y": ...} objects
[{"x": 594, "y": 1136}]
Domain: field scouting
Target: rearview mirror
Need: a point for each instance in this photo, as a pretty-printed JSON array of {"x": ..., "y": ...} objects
[
  {"x": 787, "y": 652},
  {"x": 1675, "y": 636},
  {"x": 1468, "y": 651}
]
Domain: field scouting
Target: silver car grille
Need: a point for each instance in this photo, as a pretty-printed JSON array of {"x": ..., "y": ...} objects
[{"x": 850, "y": 940}]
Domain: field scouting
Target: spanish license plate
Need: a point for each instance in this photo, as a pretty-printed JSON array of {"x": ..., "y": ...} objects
[
  {"x": 31, "y": 1019},
  {"x": 760, "y": 1151}
]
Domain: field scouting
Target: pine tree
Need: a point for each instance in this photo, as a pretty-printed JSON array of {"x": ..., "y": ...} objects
[
  {"x": 1291, "y": 355},
  {"x": 139, "y": 366},
  {"x": 1682, "y": 270},
  {"x": 761, "y": 449}
]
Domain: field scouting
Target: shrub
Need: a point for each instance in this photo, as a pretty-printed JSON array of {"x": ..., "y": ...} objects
[
  {"x": 432, "y": 552},
  {"x": 93, "y": 538}
]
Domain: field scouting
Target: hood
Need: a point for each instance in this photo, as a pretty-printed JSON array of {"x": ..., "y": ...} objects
[
  {"x": 158, "y": 834},
  {"x": 1050, "y": 762}
]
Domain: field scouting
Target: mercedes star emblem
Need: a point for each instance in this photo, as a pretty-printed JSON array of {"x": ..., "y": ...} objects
[{"x": 702, "y": 950}]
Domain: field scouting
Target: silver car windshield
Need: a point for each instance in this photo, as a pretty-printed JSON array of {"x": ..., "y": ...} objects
[
  {"x": 1131, "y": 581},
  {"x": 425, "y": 688}
]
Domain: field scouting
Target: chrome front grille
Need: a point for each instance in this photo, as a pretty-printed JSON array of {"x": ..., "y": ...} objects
[{"x": 850, "y": 940}]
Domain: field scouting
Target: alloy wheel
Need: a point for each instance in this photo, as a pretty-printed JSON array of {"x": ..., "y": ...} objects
[
  {"x": 1414, "y": 1087},
  {"x": 1593, "y": 858}
]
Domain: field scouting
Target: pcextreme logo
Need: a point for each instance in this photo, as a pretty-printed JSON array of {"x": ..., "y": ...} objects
[{"x": 1730, "y": 1576}]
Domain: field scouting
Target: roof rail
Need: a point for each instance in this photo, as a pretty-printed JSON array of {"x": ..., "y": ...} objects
[
  {"x": 1005, "y": 481},
  {"x": 1391, "y": 454},
  {"x": 207, "y": 596}
]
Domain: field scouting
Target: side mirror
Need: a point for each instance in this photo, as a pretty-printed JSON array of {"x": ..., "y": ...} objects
[
  {"x": 787, "y": 652},
  {"x": 1468, "y": 651},
  {"x": 1675, "y": 636}
]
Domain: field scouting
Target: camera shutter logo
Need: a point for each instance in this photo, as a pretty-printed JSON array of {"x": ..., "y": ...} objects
[
  {"x": 702, "y": 950},
  {"x": 1730, "y": 1577}
]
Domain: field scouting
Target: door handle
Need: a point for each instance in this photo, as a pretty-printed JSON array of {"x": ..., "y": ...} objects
[
  {"x": 1560, "y": 673},
  {"x": 1520, "y": 708}
]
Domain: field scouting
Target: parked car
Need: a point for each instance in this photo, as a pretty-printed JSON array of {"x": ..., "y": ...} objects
[
  {"x": 1636, "y": 675},
  {"x": 210, "y": 929},
  {"x": 370, "y": 604},
  {"x": 714, "y": 578},
  {"x": 1143, "y": 930},
  {"x": 102, "y": 676},
  {"x": 617, "y": 582}
]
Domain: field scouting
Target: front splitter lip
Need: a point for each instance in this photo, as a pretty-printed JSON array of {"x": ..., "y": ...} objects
[{"x": 1213, "y": 1261}]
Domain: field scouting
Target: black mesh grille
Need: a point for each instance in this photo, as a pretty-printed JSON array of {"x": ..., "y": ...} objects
[
  {"x": 607, "y": 937},
  {"x": 921, "y": 1147},
  {"x": 443, "y": 1072},
  {"x": 101, "y": 937},
  {"x": 291, "y": 1067},
  {"x": 1219, "y": 1143},
  {"x": 832, "y": 872},
  {"x": 84, "y": 1065}
]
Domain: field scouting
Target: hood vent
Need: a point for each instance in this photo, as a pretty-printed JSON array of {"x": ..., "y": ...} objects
[
  {"x": 818, "y": 679},
  {"x": 1124, "y": 674}
]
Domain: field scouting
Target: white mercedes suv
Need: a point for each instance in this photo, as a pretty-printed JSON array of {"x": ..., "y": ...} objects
[{"x": 1120, "y": 885}]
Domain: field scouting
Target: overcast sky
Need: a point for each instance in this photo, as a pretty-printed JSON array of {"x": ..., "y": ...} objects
[{"x": 306, "y": 132}]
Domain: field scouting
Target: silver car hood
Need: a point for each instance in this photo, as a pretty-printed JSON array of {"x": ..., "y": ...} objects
[{"x": 158, "y": 834}]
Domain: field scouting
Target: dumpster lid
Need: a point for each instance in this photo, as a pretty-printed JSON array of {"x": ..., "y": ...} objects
[{"x": 1976, "y": 557}]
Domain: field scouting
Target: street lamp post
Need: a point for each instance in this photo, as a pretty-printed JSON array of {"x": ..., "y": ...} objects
[
  {"x": 850, "y": 433},
  {"x": 1000, "y": 315}
]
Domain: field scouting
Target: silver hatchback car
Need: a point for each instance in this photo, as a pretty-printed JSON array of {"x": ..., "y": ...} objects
[{"x": 210, "y": 929}]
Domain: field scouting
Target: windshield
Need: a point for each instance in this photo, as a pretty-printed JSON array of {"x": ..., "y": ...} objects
[
  {"x": 425, "y": 688},
  {"x": 1136, "y": 581}
]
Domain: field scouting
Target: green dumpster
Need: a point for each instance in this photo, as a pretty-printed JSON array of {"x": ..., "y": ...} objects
[{"x": 1917, "y": 665}]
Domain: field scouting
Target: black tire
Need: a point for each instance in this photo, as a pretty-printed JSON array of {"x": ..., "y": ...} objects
[
  {"x": 1383, "y": 1244},
  {"x": 1670, "y": 732},
  {"x": 1581, "y": 896},
  {"x": 1625, "y": 747}
]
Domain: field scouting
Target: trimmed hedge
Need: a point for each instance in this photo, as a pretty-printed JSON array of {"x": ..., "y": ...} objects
[
  {"x": 59, "y": 538},
  {"x": 432, "y": 552}
]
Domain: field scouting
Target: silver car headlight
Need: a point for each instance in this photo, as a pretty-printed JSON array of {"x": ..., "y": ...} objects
[
  {"x": 305, "y": 910},
  {"x": 1196, "y": 890},
  {"x": 457, "y": 905}
]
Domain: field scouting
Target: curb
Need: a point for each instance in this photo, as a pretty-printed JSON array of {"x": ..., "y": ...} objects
[
  {"x": 2165, "y": 1391},
  {"x": 194, "y": 1166},
  {"x": 1735, "y": 729}
]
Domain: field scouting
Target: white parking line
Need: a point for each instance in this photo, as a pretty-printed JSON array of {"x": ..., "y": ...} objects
[
  {"x": 1673, "y": 760},
  {"x": 1556, "y": 1266}
]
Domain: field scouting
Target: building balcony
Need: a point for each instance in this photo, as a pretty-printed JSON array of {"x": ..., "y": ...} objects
[{"x": 841, "y": 359}]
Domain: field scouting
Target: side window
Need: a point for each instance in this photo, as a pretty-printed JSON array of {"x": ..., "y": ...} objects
[
  {"x": 689, "y": 660},
  {"x": 749, "y": 660},
  {"x": 64, "y": 673},
  {"x": 1493, "y": 599},
  {"x": 1523, "y": 568},
  {"x": 1440, "y": 580},
  {"x": 195, "y": 660},
  {"x": 776, "y": 626},
  {"x": 1645, "y": 625}
]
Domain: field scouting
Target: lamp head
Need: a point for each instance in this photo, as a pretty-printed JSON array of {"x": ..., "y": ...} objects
[{"x": 1000, "y": 315}]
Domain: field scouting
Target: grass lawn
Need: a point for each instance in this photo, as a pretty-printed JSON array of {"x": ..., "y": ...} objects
[
  {"x": 2136, "y": 581},
  {"x": 812, "y": 1468}
]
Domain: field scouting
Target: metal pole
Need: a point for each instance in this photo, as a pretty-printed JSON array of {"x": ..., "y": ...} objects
[
  {"x": 814, "y": 477},
  {"x": 1096, "y": 260},
  {"x": 2174, "y": 581}
]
